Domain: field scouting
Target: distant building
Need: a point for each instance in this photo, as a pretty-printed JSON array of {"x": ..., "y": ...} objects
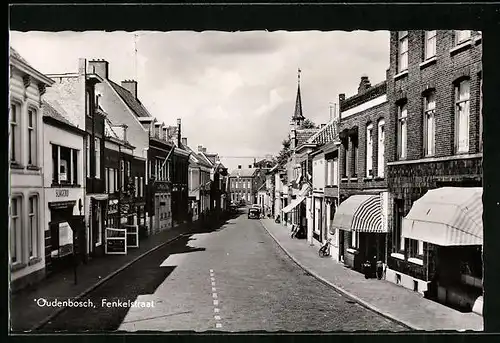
[{"x": 241, "y": 186}]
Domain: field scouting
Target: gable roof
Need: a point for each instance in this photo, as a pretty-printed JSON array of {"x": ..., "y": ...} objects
[
  {"x": 243, "y": 172},
  {"x": 200, "y": 159},
  {"x": 304, "y": 134},
  {"x": 49, "y": 111},
  {"x": 325, "y": 134},
  {"x": 133, "y": 103}
]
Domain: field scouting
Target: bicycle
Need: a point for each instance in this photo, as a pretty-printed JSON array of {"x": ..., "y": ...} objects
[{"x": 324, "y": 251}]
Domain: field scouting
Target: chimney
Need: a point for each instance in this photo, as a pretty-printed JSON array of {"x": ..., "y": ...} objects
[
  {"x": 125, "y": 127},
  {"x": 364, "y": 84},
  {"x": 204, "y": 150},
  {"x": 99, "y": 67},
  {"x": 239, "y": 166},
  {"x": 165, "y": 133},
  {"x": 322, "y": 126},
  {"x": 200, "y": 148},
  {"x": 184, "y": 141},
  {"x": 131, "y": 86},
  {"x": 82, "y": 66},
  {"x": 341, "y": 98},
  {"x": 179, "y": 132}
]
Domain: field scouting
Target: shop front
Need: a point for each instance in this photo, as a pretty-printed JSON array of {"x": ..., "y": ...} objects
[
  {"x": 65, "y": 231},
  {"x": 162, "y": 206},
  {"x": 96, "y": 219},
  {"x": 363, "y": 234},
  {"x": 449, "y": 221}
]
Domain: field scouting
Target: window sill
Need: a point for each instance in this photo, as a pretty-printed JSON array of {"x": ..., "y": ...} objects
[
  {"x": 17, "y": 266},
  {"x": 352, "y": 251},
  {"x": 398, "y": 256},
  {"x": 461, "y": 47},
  {"x": 31, "y": 167},
  {"x": 418, "y": 261},
  {"x": 367, "y": 179},
  {"x": 428, "y": 62},
  {"x": 401, "y": 74},
  {"x": 379, "y": 178},
  {"x": 355, "y": 179},
  {"x": 344, "y": 179},
  {"x": 15, "y": 165},
  {"x": 34, "y": 260}
]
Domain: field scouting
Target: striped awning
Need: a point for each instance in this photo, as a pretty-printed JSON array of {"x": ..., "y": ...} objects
[
  {"x": 448, "y": 216},
  {"x": 361, "y": 213},
  {"x": 293, "y": 204}
]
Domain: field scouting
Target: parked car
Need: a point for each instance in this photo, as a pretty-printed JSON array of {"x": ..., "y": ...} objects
[{"x": 253, "y": 213}]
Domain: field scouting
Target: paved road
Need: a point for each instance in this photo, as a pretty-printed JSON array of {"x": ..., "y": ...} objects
[{"x": 235, "y": 278}]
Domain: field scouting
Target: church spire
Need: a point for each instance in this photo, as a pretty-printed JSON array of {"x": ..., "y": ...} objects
[{"x": 298, "y": 117}]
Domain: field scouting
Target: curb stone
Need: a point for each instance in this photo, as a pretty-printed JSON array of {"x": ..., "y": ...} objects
[
  {"x": 340, "y": 289},
  {"x": 103, "y": 280}
]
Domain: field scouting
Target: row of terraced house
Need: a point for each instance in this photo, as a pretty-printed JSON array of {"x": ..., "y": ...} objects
[
  {"x": 92, "y": 171},
  {"x": 396, "y": 176}
]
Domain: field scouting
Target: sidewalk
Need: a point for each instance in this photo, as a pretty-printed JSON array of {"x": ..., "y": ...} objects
[
  {"x": 26, "y": 314},
  {"x": 392, "y": 301}
]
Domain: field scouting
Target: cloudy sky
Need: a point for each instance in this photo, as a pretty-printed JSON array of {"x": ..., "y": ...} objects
[{"x": 235, "y": 92}]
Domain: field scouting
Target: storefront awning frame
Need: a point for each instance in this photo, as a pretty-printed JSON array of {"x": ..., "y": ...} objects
[
  {"x": 447, "y": 216},
  {"x": 360, "y": 213}
]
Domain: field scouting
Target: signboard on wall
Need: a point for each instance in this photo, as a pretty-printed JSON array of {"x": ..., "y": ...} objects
[
  {"x": 132, "y": 236},
  {"x": 384, "y": 205},
  {"x": 116, "y": 241}
]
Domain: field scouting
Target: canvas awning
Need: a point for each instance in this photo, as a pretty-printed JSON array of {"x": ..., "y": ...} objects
[
  {"x": 293, "y": 204},
  {"x": 448, "y": 216},
  {"x": 303, "y": 191},
  {"x": 360, "y": 213},
  {"x": 99, "y": 197}
]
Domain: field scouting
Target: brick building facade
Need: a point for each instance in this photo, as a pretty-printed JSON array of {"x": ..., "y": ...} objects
[
  {"x": 363, "y": 187},
  {"x": 435, "y": 125}
]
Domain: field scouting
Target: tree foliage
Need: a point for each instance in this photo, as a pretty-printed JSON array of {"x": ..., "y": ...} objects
[
  {"x": 285, "y": 151},
  {"x": 307, "y": 124}
]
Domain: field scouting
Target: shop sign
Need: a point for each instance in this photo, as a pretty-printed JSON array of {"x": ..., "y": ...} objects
[
  {"x": 61, "y": 204},
  {"x": 113, "y": 206},
  {"x": 65, "y": 234},
  {"x": 116, "y": 241},
  {"x": 62, "y": 193},
  {"x": 161, "y": 187}
]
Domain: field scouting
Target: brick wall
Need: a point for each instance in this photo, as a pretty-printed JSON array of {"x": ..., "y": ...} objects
[
  {"x": 440, "y": 76},
  {"x": 361, "y": 121}
]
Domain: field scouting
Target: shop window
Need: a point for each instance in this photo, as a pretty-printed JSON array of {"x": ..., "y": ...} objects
[
  {"x": 397, "y": 238},
  {"x": 416, "y": 248},
  {"x": 354, "y": 240},
  {"x": 64, "y": 165}
]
